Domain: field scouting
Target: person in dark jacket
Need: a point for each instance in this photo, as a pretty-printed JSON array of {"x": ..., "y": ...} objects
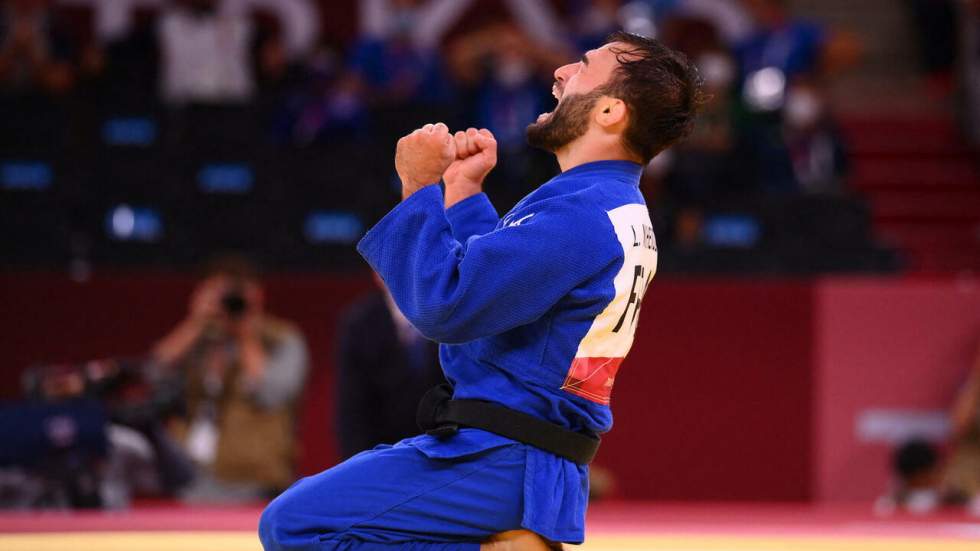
[{"x": 384, "y": 367}]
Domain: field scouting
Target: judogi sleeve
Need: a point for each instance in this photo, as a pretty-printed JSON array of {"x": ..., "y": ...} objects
[
  {"x": 472, "y": 216},
  {"x": 503, "y": 279}
]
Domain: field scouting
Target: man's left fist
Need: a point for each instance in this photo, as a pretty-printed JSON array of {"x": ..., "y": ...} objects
[{"x": 422, "y": 156}]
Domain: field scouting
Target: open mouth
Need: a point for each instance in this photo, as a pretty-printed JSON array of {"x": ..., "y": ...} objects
[{"x": 556, "y": 91}]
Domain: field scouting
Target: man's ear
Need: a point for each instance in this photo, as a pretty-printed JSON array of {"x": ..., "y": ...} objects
[{"x": 611, "y": 112}]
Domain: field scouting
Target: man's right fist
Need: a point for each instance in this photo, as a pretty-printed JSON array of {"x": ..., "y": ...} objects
[{"x": 422, "y": 156}]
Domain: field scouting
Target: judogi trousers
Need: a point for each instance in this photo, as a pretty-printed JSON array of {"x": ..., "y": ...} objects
[{"x": 415, "y": 495}]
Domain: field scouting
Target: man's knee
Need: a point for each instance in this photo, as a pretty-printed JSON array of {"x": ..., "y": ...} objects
[
  {"x": 281, "y": 526},
  {"x": 271, "y": 528},
  {"x": 519, "y": 540},
  {"x": 299, "y": 518}
]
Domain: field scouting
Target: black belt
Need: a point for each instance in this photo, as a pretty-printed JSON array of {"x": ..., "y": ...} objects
[{"x": 441, "y": 416}]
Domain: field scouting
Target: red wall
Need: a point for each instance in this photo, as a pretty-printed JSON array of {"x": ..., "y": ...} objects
[
  {"x": 713, "y": 402},
  {"x": 899, "y": 347}
]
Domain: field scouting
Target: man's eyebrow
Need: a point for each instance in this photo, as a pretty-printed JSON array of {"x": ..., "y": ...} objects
[{"x": 585, "y": 58}]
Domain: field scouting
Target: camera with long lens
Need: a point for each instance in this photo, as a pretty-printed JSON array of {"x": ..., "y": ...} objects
[{"x": 127, "y": 388}]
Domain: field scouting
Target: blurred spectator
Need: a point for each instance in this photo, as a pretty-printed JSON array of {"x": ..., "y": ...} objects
[
  {"x": 789, "y": 46},
  {"x": 815, "y": 146},
  {"x": 701, "y": 166},
  {"x": 915, "y": 478},
  {"x": 180, "y": 54},
  {"x": 36, "y": 51},
  {"x": 114, "y": 20},
  {"x": 962, "y": 477},
  {"x": 794, "y": 47},
  {"x": 326, "y": 103},
  {"x": 787, "y": 140},
  {"x": 382, "y": 359},
  {"x": 781, "y": 50},
  {"x": 243, "y": 371},
  {"x": 205, "y": 53},
  {"x": 396, "y": 58}
]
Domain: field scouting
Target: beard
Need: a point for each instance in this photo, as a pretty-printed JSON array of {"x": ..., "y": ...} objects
[{"x": 567, "y": 123}]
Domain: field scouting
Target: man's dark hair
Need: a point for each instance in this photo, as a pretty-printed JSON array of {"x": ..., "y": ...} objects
[{"x": 661, "y": 89}]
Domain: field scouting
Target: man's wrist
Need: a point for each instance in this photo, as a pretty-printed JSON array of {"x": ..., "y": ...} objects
[
  {"x": 409, "y": 187},
  {"x": 460, "y": 191}
]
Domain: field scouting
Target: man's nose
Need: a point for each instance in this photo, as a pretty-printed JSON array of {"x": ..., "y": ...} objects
[{"x": 561, "y": 73}]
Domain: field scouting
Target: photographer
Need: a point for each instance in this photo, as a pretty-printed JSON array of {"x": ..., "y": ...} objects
[{"x": 242, "y": 371}]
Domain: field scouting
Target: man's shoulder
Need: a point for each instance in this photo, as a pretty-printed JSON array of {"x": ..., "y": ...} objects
[
  {"x": 583, "y": 222},
  {"x": 574, "y": 211}
]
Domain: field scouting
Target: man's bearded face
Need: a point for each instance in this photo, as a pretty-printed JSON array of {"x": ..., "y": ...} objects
[{"x": 568, "y": 122}]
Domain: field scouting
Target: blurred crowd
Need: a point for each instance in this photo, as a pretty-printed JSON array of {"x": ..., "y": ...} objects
[
  {"x": 764, "y": 67},
  {"x": 259, "y": 72},
  {"x": 239, "y": 79}
]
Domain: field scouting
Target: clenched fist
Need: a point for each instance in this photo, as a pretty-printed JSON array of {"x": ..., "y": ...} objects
[
  {"x": 476, "y": 155},
  {"x": 422, "y": 156}
]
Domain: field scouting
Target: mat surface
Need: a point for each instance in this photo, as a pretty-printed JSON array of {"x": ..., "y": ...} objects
[{"x": 612, "y": 527}]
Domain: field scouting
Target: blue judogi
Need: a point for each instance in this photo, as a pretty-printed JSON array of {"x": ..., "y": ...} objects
[{"x": 535, "y": 312}]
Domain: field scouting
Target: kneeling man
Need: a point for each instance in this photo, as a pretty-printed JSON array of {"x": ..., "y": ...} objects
[{"x": 534, "y": 311}]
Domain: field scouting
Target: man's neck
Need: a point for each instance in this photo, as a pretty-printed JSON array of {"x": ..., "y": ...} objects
[{"x": 575, "y": 154}]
